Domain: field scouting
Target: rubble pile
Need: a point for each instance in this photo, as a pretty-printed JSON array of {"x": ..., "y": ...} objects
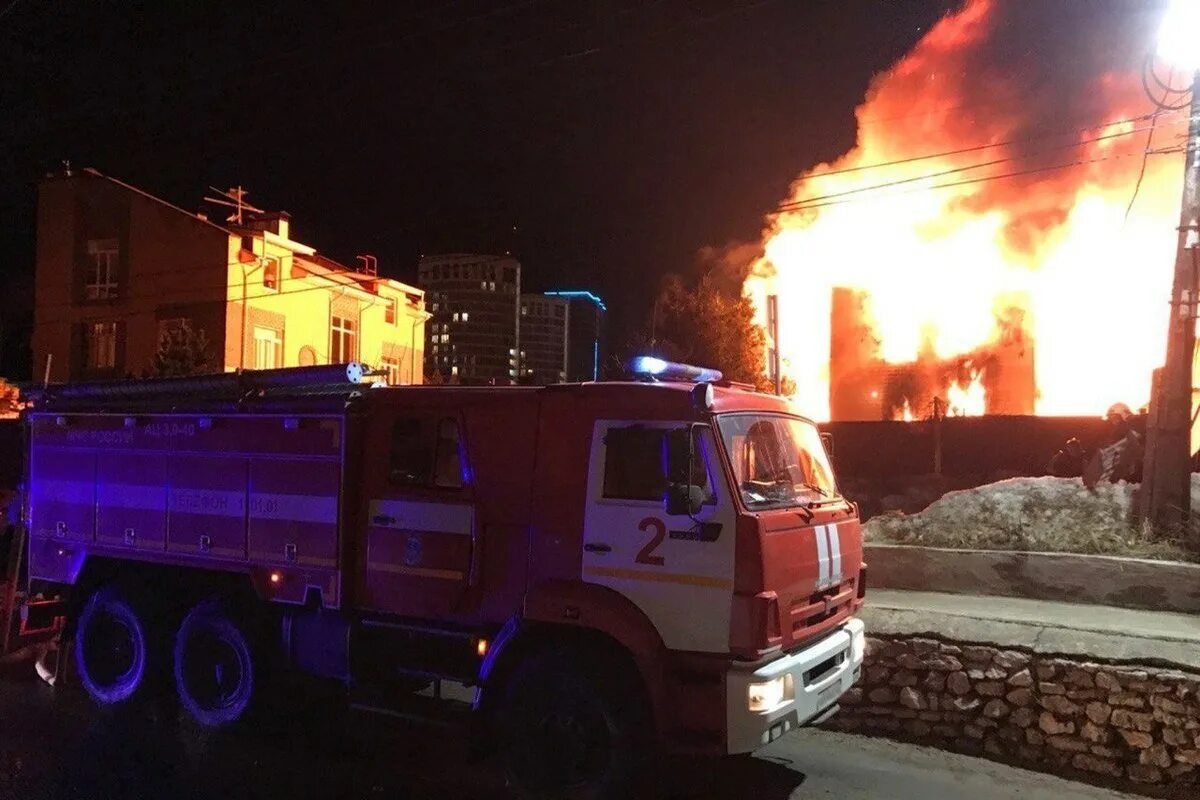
[{"x": 1035, "y": 514}]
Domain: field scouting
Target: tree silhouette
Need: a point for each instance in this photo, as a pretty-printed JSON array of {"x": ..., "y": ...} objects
[
  {"x": 710, "y": 325},
  {"x": 182, "y": 351}
]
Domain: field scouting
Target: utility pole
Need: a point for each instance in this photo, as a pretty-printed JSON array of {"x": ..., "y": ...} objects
[
  {"x": 939, "y": 414},
  {"x": 773, "y": 328},
  {"x": 1165, "y": 497}
]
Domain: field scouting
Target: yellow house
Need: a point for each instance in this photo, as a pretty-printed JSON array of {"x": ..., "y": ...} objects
[{"x": 118, "y": 269}]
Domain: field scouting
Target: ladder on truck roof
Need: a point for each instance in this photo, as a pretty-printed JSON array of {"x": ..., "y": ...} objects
[{"x": 227, "y": 387}]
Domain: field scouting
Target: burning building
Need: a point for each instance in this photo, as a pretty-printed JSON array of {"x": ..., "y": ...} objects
[
  {"x": 1000, "y": 237},
  {"x": 997, "y": 378}
]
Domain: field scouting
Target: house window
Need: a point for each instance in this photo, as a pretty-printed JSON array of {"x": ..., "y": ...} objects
[
  {"x": 101, "y": 345},
  {"x": 391, "y": 366},
  {"x": 466, "y": 316},
  {"x": 271, "y": 274},
  {"x": 389, "y": 311},
  {"x": 101, "y": 282},
  {"x": 268, "y": 348},
  {"x": 342, "y": 344}
]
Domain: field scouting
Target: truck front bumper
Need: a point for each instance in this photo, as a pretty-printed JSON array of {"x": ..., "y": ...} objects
[{"x": 765, "y": 701}]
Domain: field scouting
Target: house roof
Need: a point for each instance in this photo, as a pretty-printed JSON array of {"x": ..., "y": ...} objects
[
  {"x": 95, "y": 173},
  {"x": 315, "y": 263}
]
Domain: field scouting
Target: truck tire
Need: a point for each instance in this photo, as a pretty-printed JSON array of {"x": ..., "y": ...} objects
[
  {"x": 573, "y": 725},
  {"x": 117, "y": 654},
  {"x": 217, "y": 665}
]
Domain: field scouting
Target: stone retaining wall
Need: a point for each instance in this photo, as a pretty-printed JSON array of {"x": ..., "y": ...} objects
[{"x": 1136, "y": 729}]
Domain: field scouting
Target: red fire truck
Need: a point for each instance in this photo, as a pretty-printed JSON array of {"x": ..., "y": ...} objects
[{"x": 614, "y": 567}]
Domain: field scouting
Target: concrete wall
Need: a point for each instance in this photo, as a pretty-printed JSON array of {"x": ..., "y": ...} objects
[{"x": 1134, "y": 728}]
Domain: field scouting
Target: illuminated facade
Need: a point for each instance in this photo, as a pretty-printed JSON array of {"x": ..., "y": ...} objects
[{"x": 118, "y": 268}]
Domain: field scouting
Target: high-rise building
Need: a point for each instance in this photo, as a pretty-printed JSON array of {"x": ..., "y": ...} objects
[
  {"x": 560, "y": 336},
  {"x": 585, "y": 331},
  {"x": 543, "y": 339},
  {"x": 472, "y": 335}
]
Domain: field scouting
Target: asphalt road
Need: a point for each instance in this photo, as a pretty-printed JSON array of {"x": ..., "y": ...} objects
[{"x": 55, "y": 745}]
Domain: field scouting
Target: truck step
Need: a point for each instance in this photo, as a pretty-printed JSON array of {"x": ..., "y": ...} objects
[{"x": 442, "y": 705}]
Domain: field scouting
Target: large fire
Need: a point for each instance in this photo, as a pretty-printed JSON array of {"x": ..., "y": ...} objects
[{"x": 975, "y": 245}]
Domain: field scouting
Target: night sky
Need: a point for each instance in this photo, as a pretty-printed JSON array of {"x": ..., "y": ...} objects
[{"x": 603, "y": 143}]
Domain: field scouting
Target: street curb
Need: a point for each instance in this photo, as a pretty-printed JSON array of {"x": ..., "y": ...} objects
[{"x": 1063, "y": 577}]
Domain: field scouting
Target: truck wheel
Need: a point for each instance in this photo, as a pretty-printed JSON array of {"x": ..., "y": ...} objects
[
  {"x": 116, "y": 654},
  {"x": 216, "y": 665},
  {"x": 572, "y": 728}
]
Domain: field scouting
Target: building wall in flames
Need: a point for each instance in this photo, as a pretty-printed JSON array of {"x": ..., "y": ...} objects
[{"x": 998, "y": 378}]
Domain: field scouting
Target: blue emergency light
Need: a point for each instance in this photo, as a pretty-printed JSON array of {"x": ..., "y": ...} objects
[{"x": 659, "y": 369}]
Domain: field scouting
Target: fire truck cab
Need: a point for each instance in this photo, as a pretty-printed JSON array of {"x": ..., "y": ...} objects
[{"x": 614, "y": 567}]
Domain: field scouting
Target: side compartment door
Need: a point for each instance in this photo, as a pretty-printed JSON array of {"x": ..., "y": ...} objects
[
  {"x": 419, "y": 515},
  {"x": 677, "y": 569}
]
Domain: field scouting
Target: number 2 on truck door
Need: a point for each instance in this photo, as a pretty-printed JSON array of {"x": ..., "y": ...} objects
[{"x": 676, "y": 569}]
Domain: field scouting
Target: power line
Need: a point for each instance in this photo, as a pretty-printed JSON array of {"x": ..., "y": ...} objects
[
  {"x": 984, "y": 179},
  {"x": 1141, "y": 170},
  {"x": 977, "y": 148},
  {"x": 810, "y": 201},
  {"x": 192, "y": 289},
  {"x": 8, "y": 8}
]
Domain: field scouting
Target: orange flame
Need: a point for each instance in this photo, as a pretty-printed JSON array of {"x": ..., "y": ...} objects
[{"x": 1021, "y": 217}]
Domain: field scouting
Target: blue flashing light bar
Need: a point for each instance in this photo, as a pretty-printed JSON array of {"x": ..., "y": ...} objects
[
  {"x": 578, "y": 293},
  {"x": 659, "y": 369}
]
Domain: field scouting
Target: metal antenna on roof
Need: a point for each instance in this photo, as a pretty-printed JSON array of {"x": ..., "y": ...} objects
[
  {"x": 235, "y": 198},
  {"x": 370, "y": 264}
]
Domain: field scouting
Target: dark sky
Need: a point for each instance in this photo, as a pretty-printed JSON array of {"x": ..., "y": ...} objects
[{"x": 617, "y": 137}]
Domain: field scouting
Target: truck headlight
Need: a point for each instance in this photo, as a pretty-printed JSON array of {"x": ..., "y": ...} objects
[{"x": 770, "y": 694}]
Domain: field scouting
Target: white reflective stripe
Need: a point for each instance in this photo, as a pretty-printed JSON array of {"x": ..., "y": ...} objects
[
  {"x": 411, "y": 515},
  {"x": 213, "y": 502},
  {"x": 133, "y": 496},
  {"x": 822, "y": 556},
  {"x": 835, "y": 559},
  {"x": 59, "y": 491},
  {"x": 314, "y": 508}
]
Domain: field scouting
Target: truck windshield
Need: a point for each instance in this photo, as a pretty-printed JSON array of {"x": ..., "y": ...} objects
[{"x": 778, "y": 461}]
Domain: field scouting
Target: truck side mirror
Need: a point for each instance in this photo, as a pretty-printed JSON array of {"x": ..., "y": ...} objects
[
  {"x": 683, "y": 500},
  {"x": 682, "y": 497}
]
